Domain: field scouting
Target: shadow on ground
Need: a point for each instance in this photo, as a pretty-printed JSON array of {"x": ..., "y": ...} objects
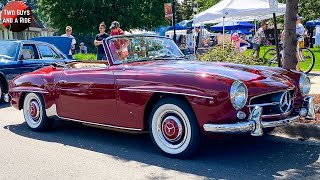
[{"x": 239, "y": 157}]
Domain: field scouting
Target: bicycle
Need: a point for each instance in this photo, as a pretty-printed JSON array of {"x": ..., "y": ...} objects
[{"x": 306, "y": 56}]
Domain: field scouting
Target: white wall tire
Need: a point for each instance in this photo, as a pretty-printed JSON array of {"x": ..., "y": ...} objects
[
  {"x": 34, "y": 112},
  {"x": 174, "y": 129}
]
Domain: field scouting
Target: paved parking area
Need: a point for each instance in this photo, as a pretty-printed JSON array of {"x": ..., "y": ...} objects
[{"x": 74, "y": 151}]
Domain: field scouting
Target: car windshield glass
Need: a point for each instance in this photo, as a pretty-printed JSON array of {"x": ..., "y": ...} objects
[
  {"x": 8, "y": 49},
  {"x": 142, "y": 48}
]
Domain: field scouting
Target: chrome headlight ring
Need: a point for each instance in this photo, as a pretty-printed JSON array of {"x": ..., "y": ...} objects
[
  {"x": 238, "y": 95},
  {"x": 304, "y": 84}
]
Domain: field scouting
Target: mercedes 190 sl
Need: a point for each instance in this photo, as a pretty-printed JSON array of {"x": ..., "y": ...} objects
[{"x": 147, "y": 84}]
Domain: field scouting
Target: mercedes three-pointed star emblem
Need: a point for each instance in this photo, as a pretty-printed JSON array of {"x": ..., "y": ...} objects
[{"x": 285, "y": 102}]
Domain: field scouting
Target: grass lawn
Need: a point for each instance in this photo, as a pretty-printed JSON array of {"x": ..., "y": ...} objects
[
  {"x": 82, "y": 57},
  {"x": 316, "y": 52}
]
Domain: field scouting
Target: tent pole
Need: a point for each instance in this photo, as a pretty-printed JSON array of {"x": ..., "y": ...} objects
[
  {"x": 223, "y": 32},
  {"x": 194, "y": 39}
]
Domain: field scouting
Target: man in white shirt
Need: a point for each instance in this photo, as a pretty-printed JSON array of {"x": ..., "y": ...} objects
[
  {"x": 300, "y": 31},
  {"x": 73, "y": 42}
]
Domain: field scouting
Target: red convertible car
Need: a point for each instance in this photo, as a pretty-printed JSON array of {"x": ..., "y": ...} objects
[{"x": 148, "y": 85}]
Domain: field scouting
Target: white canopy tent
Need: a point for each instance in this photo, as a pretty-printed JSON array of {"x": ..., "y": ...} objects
[{"x": 237, "y": 10}]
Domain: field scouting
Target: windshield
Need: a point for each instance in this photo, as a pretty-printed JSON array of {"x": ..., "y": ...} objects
[
  {"x": 138, "y": 48},
  {"x": 8, "y": 49}
]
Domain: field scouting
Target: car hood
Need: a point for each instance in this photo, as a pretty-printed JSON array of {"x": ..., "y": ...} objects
[{"x": 257, "y": 78}]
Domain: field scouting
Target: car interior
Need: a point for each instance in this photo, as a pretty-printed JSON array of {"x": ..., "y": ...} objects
[{"x": 89, "y": 64}]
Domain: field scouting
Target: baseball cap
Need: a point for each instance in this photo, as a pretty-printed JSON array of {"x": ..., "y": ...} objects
[
  {"x": 298, "y": 17},
  {"x": 115, "y": 24}
]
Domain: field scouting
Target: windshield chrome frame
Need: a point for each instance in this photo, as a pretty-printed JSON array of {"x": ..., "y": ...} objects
[{"x": 107, "y": 47}]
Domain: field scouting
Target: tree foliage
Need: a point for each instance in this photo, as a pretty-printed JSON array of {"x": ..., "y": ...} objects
[
  {"x": 85, "y": 16},
  {"x": 206, "y": 4},
  {"x": 308, "y": 9}
]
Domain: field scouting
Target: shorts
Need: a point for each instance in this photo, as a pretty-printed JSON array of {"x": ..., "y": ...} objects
[
  {"x": 301, "y": 44},
  {"x": 256, "y": 46}
]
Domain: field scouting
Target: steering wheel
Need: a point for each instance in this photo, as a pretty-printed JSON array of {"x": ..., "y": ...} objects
[{"x": 165, "y": 52}]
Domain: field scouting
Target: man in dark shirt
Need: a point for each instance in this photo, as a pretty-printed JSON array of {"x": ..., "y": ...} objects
[
  {"x": 197, "y": 37},
  {"x": 101, "y": 55}
]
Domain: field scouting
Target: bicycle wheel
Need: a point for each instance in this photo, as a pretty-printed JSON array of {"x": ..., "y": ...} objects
[
  {"x": 307, "y": 60},
  {"x": 270, "y": 57}
]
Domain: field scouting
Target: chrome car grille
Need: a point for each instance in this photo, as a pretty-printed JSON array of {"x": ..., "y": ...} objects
[{"x": 274, "y": 104}]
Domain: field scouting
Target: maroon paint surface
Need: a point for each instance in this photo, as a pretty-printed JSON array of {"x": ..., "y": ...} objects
[{"x": 97, "y": 95}]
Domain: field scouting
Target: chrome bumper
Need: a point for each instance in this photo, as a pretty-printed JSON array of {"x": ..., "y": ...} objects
[{"x": 255, "y": 125}]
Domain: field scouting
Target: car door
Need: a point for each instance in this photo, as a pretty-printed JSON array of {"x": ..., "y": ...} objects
[
  {"x": 87, "y": 94},
  {"x": 48, "y": 55},
  {"x": 29, "y": 58}
]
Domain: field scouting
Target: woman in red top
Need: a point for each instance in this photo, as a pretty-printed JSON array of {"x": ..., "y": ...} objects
[{"x": 119, "y": 48}]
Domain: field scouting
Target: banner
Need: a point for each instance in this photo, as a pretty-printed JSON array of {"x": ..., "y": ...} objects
[{"x": 168, "y": 11}]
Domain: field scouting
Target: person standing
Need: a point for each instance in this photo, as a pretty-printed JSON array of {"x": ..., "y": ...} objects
[
  {"x": 300, "y": 31},
  {"x": 120, "y": 48},
  {"x": 260, "y": 38},
  {"x": 197, "y": 37},
  {"x": 73, "y": 41},
  {"x": 101, "y": 54}
]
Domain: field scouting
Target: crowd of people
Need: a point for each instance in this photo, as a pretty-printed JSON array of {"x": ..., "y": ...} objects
[{"x": 119, "y": 48}]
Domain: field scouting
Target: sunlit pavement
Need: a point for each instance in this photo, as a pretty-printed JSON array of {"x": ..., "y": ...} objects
[{"x": 74, "y": 151}]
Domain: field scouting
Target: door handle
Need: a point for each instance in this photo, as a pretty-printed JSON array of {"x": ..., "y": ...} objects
[{"x": 62, "y": 82}]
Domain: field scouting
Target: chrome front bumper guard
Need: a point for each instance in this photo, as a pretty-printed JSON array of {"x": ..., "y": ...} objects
[{"x": 255, "y": 125}]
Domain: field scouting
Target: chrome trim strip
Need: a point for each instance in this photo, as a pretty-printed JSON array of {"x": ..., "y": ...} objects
[
  {"x": 264, "y": 104},
  {"x": 98, "y": 124},
  {"x": 141, "y": 90},
  {"x": 34, "y": 91},
  {"x": 291, "y": 89}
]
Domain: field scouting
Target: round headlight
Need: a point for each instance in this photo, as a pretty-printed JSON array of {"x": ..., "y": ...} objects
[
  {"x": 238, "y": 94},
  {"x": 304, "y": 84}
]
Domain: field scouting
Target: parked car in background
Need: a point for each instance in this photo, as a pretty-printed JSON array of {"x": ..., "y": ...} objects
[
  {"x": 153, "y": 87},
  {"x": 19, "y": 57}
]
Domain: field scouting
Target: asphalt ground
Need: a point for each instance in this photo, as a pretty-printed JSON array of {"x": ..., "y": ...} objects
[{"x": 73, "y": 151}]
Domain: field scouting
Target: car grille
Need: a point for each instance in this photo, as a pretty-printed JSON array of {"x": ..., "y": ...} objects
[{"x": 274, "y": 104}]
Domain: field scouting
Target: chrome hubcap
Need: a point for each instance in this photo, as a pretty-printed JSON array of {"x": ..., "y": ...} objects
[
  {"x": 171, "y": 128},
  {"x": 34, "y": 110}
]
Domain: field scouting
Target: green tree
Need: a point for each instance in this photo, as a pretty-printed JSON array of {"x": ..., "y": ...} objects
[
  {"x": 187, "y": 9},
  {"x": 308, "y": 9},
  {"x": 85, "y": 16},
  {"x": 206, "y": 4}
]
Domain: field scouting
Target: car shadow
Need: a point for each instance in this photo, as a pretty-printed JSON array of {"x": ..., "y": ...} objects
[{"x": 233, "y": 157}]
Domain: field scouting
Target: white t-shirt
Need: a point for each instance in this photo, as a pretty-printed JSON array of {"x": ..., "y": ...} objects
[
  {"x": 300, "y": 29},
  {"x": 73, "y": 42}
]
